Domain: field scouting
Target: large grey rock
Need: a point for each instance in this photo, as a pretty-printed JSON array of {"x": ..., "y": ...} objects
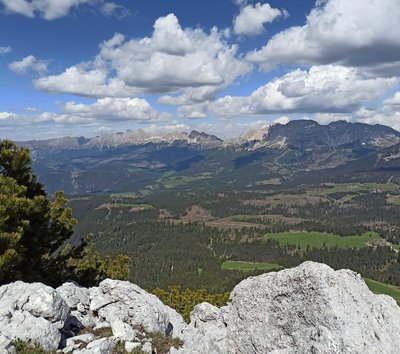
[
  {"x": 207, "y": 327},
  {"x": 147, "y": 348},
  {"x": 99, "y": 346},
  {"x": 6, "y": 345},
  {"x": 31, "y": 312},
  {"x": 123, "y": 331},
  {"x": 120, "y": 300},
  {"x": 83, "y": 338},
  {"x": 307, "y": 309},
  {"x": 78, "y": 300},
  {"x": 74, "y": 295},
  {"x": 77, "y": 341},
  {"x": 131, "y": 346}
]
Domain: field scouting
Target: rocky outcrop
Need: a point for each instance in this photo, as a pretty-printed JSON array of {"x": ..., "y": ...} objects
[
  {"x": 123, "y": 301},
  {"x": 307, "y": 309},
  {"x": 31, "y": 312},
  {"x": 207, "y": 332},
  {"x": 311, "y": 309},
  {"x": 55, "y": 318}
]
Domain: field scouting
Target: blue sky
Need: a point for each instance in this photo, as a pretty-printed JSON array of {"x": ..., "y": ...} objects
[{"x": 92, "y": 67}]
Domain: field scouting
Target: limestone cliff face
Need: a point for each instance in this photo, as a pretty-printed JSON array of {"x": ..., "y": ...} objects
[{"x": 307, "y": 309}]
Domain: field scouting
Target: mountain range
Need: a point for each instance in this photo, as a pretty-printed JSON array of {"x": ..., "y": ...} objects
[{"x": 292, "y": 153}]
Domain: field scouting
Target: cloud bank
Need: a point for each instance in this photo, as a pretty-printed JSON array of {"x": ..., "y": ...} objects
[
  {"x": 355, "y": 33},
  {"x": 54, "y": 9},
  {"x": 190, "y": 63}
]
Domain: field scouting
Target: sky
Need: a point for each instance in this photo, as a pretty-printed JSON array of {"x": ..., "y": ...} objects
[{"x": 95, "y": 67}]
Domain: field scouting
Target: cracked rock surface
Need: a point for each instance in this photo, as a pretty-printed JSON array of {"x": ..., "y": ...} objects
[
  {"x": 307, "y": 309},
  {"x": 122, "y": 301},
  {"x": 33, "y": 312}
]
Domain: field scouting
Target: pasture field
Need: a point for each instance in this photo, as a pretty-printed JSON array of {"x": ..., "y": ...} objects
[
  {"x": 321, "y": 239},
  {"x": 125, "y": 205},
  {"x": 171, "y": 181},
  {"x": 250, "y": 266},
  {"x": 393, "y": 200},
  {"x": 354, "y": 188}
]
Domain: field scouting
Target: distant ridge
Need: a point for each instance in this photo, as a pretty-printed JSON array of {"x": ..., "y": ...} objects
[
  {"x": 296, "y": 134},
  {"x": 308, "y": 134},
  {"x": 140, "y": 161}
]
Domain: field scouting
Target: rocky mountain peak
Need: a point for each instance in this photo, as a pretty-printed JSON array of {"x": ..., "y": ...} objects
[
  {"x": 203, "y": 137},
  {"x": 304, "y": 134},
  {"x": 194, "y": 134}
]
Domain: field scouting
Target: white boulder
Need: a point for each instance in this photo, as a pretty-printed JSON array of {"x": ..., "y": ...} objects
[
  {"x": 131, "y": 346},
  {"x": 99, "y": 346},
  {"x": 31, "y": 312},
  {"x": 77, "y": 298},
  {"x": 207, "y": 327},
  {"x": 120, "y": 300},
  {"x": 307, "y": 309},
  {"x": 123, "y": 331}
]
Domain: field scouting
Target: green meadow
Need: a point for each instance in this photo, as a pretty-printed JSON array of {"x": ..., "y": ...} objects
[
  {"x": 170, "y": 181},
  {"x": 322, "y": 239},
  {"x": 382, "y": 288},
  {"x": 250, "y": 266},
  {"x": 354, "y": 188}
]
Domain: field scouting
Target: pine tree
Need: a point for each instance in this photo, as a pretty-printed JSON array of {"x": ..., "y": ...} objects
[{"x": 34, "y": 231}]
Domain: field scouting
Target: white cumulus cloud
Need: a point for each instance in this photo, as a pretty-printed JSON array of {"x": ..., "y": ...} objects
[
  {"x": 113, "y": 9},
  {"x": 28, "y": 64},
  {"x": 115, "y": 109},
  {"x": 6, "y": 115},
  {"x": 5, "y": 50},
  {"x": 105, "y": 112},
  {"x": 359, "y": 33},
  {"x": 86, "y": 79},
  {"x": 54, "y": 9},
  {"x": 187, "y": 65},
  {"x": 393, "y": 102},
  {"x": 252, "y": 18},
  {"x": 326, "y": 88}
]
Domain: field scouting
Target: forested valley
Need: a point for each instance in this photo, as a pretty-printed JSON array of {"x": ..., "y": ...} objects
[{"x": 185, "y": 238}]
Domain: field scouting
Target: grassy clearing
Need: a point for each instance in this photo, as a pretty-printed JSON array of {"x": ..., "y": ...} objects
[
  {"x": 249, "y": 266},
  {"x": 169, "y": 181},
  {"x": 382, "y": 288},
  {"x": 245, "y": 218},
  {"x": 321, "y": 239},
  {"x": 396, "y": 247},
  {"x": 128, "y": 195},
  {"x": 143, "y": 206},
  {"x": 393, "y": 200},
  {"x": 137, "y": 207},
  {"x": 131, "y": 195},
  {"x": 354, "y": 188}
]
